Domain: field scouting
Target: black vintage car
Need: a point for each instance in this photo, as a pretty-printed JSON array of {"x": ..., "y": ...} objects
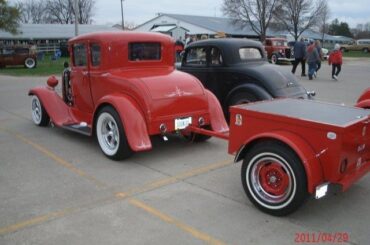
[{"x": 237, "y": 71}]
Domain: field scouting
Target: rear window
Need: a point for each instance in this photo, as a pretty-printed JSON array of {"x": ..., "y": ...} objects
[
  {"x": 250, "y": 54},
  {"x": 144, "y": 51}
]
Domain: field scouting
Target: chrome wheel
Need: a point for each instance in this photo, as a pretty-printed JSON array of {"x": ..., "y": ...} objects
[
  {"x": 271, "y": 180},
  {"x": 30, "y": 63},
  {"x": 36, "y": 110},
  {"x": 108, "y": 134}
]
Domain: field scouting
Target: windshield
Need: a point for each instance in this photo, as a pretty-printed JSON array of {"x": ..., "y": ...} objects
[
  {"x": 280, "y": 43},
  {"x": 249, "y": 54}
]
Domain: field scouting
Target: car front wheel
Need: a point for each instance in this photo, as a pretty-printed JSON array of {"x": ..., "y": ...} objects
[
  {"x": 30, "y": 63},
  {"x": 274, "y": 59},
  {"x": 274, "y": 178},
  {"x": 111, "y": 135},
  {"x": 39, "y": 115}
]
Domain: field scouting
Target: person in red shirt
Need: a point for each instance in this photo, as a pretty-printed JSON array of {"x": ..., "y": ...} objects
[{"x": 335, "y": 59}]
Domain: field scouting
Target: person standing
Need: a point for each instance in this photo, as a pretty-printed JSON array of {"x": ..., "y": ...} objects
[
  {"x": 299, "y": 56},
  {"x": 319, "y": 50},
  {"x": 336, "y": 60},
  {"x": 312, "y": 59}
]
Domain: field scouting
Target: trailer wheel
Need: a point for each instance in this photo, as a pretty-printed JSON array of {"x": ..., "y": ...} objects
[
  {"x": 39, "y": 115},
  {"x": 274, "y": 178},
  {"x": 111, "y": 135}
]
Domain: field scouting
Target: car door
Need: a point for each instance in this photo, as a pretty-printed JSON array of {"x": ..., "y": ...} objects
[
  {"x": 80, "y": 78},
  {"x": 195, "y": 63}
]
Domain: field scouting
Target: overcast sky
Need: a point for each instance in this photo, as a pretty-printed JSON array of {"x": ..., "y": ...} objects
[{"x": 139, "y": 11}]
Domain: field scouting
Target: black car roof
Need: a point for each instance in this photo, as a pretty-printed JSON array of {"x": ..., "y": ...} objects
[{"x": 228, "y": 46}]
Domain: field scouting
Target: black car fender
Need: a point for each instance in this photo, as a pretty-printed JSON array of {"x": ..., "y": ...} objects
[{"x": 259, "y": 92}]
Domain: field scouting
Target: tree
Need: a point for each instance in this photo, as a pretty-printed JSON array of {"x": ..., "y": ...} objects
[
  {"x": 9, "y": 17},
  {"x": 299, "y": 15},
  {"x": 32, "y": 11},
  {"x": 339, "y": 29},
  {"x": 323, "y": 19},
  {"x": 254, "y": 13}
]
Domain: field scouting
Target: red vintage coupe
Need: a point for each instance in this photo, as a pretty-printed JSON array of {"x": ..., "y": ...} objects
[{"x": 123, "y": 88}]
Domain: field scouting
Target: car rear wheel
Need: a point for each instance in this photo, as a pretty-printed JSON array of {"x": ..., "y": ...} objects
[
  {"x": 39, "y": 115},
  {"x": 242, "y": 98},
  {"x": 274, "y": 178},
  {"x": 344, "y": 50},
  {"x": 111, "y": 135},
  {"x": 366, "y": 50},
  {"x": 30, "y": 63}
]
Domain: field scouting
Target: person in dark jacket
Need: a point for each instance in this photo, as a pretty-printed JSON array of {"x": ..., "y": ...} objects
[
  {"x": 319, "y": 50},
  {"x": 335, "y": 59},
  {"x": 312, "y": 59},
  {"x": 299, "y": 56}
]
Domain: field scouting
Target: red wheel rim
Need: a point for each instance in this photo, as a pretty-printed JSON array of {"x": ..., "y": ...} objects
[{"x": 274, "y": 180}]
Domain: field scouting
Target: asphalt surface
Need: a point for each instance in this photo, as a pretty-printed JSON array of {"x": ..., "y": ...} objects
[{"x": 56, "y": 187}]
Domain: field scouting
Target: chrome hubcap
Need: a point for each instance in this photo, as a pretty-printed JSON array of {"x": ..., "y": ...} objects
[
  {"x": 108, "y": 133},
  {"x": 36, "y": 110}
]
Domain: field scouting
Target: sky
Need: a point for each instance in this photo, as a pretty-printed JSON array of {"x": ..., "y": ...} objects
[{"x": 138, "y": 11}]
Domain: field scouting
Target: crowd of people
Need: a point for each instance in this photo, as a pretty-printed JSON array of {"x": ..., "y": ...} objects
[{"x": 313, "y": 55}]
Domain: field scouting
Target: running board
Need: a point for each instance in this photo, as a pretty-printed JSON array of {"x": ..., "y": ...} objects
[{"x": 79, "y": 128}]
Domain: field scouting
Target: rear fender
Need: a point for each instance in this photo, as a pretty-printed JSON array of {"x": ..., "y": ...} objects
[
  {"x": 54, "y": 105},
  {"x": 364, "y": 99},
  {"x": 256, "y": 90},
  {"x": 217, "y": 117},
  {"x": 309, "y": 158},
  {"x": 132, "y": 119}
]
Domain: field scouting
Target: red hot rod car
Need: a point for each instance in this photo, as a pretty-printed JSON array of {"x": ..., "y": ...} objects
[{"x": 123, "y": 88}]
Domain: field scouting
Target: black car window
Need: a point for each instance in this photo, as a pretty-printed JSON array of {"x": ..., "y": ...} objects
[
  {"x": 144, "y": 51},
  {"x": 22, "y": 51},
  {"x": 250, "y": 54},
  {"x": 79, "y": 54},
  {"x": 95, "y": 54},
  {"x": 8, "y": 51},
  {"x": 216, "y": 57},
  {"x": 196, "y": 57}
]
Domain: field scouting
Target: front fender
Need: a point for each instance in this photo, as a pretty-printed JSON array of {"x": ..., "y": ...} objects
[
  {"x": 54, "y": 105},
  {"x": 132, "y": 119},
  {"x": 217, "y": 117},
  {"x": 309, "y": 158}
]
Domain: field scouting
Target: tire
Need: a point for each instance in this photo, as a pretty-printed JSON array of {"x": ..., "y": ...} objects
[
  {"x": 39, "y": 115},
  {"x": 274, "y": 178},
  {"x": 274, "y": 59},
  {"x": 242, "y": 98},
  {"x": 344, "y": 50},
  {"x": 365, "y": 50},
  {"x": 30, "y": 63},
  {"x": 111, "y": 135},
  {"x": 193, "y": 137}
]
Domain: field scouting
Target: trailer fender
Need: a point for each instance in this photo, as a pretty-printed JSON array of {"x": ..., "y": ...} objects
[
  {"x": 304, "y": 151},
  {"x": 54, "y": 105},
  {"x": 217, "y": 117},
  {"x": 132, "y": 120},
  {"x": 364, "y": 104}
]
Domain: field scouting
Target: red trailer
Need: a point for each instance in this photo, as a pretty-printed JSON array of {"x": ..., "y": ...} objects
[{"x": 292, "y": 149}]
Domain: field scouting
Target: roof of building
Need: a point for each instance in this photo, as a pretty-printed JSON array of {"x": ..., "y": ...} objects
[{"x": 52, "y": 31}]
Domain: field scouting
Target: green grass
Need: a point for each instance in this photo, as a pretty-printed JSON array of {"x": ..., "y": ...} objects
[
  {"x": 356, "y": 54},
  {"x": 44, "y": 67}
]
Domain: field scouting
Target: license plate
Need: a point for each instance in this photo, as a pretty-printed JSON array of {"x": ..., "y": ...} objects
[{"x": 181, "y": 123}]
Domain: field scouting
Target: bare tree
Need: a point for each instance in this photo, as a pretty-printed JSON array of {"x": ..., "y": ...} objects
[
  {"x": 323, "y": 19},
  {"x": 62, "y": 11},
  {"x": 32, "y": 11},
  {"x": 299, "y": 15},
  {"x": 254, "y": 13}
]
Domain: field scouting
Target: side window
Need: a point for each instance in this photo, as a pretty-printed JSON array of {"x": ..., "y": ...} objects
[
  {"x": 8, "y": 51},
  {"x": 196, "y": 57},
  {"x": 95, "y": 54},
  {"x": 216, "y": 57},
  {"x": 144, "y": 51},
  {"x": 79, "y": 55}
]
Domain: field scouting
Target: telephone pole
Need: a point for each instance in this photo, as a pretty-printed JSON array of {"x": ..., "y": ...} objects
[
  {"x": 123, "y": 21},
  {"x": 76, "y": 16}
]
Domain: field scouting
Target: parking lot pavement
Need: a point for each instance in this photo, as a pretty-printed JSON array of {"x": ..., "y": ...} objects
[{"x": 56, "y": 187}]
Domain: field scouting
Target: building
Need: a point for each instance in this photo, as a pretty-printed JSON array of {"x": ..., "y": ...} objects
[
  {"x": 48, "y": 37},
  {"x": 212, "y": 26}
]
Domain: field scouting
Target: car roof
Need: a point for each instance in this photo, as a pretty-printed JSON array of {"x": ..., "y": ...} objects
[
  {"x": 229, "y": 47},
  {"x": 129, "y": 36}
]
